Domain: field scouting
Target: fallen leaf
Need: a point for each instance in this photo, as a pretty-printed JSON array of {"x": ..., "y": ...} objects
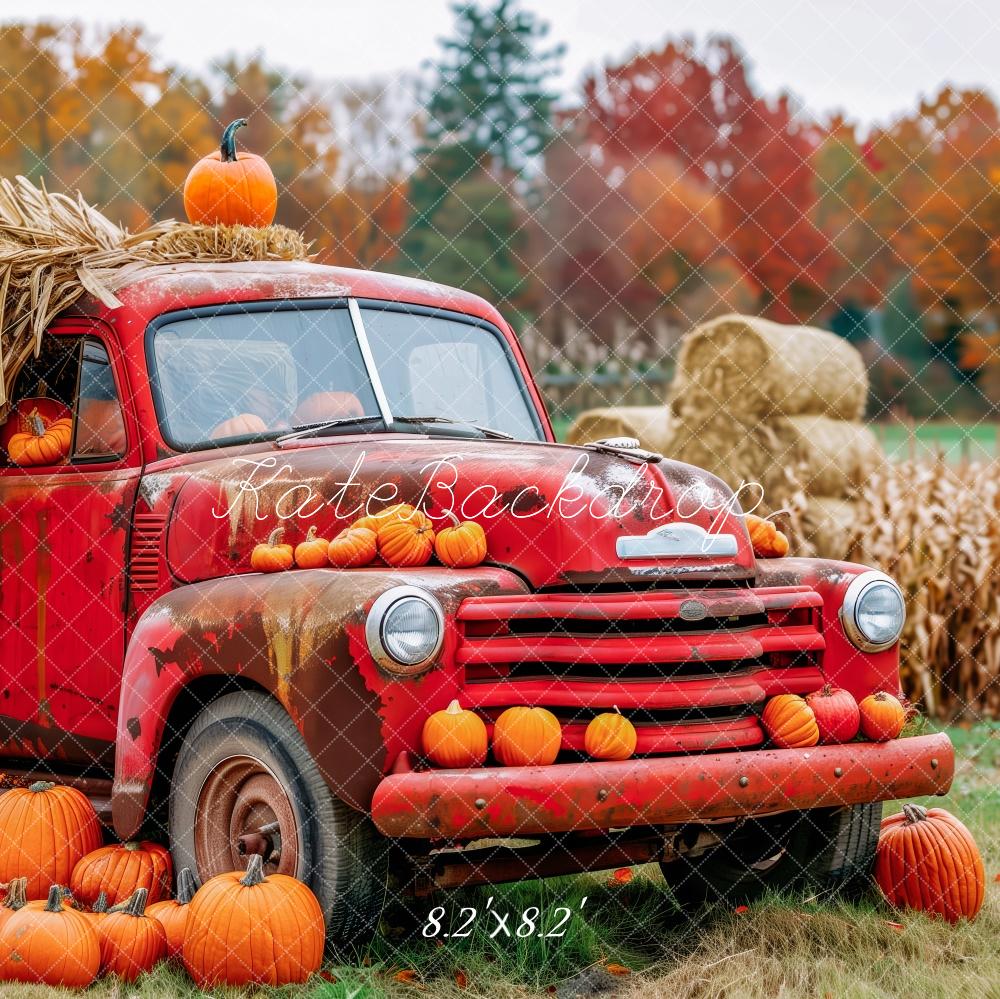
[
  {"x": 997, "y": 878},
  {"x": 551, "y": 989},
  {"x": 622, "y": 876},
  {"x": 895, "y": 926},
  {"x": 617, "y": 969},
  {"x": 366, "y": 961},
  {"x": 327, "y": 976},
  {"x": 461, "y": 978},
  {"x": 740, "y": 909},
  {"x": 406, "y": 975}
]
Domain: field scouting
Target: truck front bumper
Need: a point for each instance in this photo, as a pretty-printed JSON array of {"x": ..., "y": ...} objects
[{"x": 665, "y": 790}]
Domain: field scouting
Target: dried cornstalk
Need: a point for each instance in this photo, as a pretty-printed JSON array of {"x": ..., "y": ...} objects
[{"x": 54, "y": 250}]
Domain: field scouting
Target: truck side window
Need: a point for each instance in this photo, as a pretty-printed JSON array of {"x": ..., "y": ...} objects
[{"x": 100, "y": 426}]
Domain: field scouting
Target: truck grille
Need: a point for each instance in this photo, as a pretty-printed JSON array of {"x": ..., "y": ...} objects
[{"x": 690, "y": 669}]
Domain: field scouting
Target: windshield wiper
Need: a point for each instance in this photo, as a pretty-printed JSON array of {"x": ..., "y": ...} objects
[
  {"x": 485, "y": 431},
  {"x": 318, "y": 428}
]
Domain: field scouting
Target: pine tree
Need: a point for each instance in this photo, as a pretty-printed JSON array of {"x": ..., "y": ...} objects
[{"x": 488, "y": 119}]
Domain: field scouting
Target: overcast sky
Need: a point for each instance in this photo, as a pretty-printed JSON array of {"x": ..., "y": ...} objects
[{"x": 870, "y": 57}]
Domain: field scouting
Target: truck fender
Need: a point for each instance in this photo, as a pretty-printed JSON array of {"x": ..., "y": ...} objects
[{"x": 299, "y": 636}]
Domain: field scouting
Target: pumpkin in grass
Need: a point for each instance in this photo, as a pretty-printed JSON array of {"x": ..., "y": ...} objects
[
  {"x": 272, "y": 555},
  {"x": 231, "y": 188},
  {"x": 790, "y": 722},
  {"x": 837, "y": 714},
  {"x": 353, "y": 548},
  {"x": 14, "y": 900},
  {"x": 131, "y": 940},
  {"x": 927, "y": 860},
  {"x": 172, "y": 913},
  {"x": 312, "y": 552},
  {"x": 118, "y": 870},
  {"x": 44, "y": 830},
  {"x": 461, "y": 546},
  {"x": 766, "y": 540},
  {"x": 243, "y": 425},
  {"x": 46, "y": 943},
  {"x": 43, "y": 444},
  {"x": 882, "y": 717},
  {"x": 610, "y": 736},
  {"x": 233, "y": 913},
  {"x": 527, "y": 737},
  {"x": 405, "y": 537},
  {"x": 455, "y": 738}
]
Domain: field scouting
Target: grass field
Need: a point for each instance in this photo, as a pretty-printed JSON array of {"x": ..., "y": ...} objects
[
  {"x": 787, "y": 947},
  {"x": 956, "y": 441}
]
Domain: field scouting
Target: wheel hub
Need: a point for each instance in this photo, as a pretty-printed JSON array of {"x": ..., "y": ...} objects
[{"x": 243, "y": 808}]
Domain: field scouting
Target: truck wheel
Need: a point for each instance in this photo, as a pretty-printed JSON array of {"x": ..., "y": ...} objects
[
  {"x": 243, "y": 767},
  {"x": 828, "y": 850}
]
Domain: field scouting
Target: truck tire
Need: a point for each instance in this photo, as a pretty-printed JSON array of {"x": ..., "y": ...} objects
[
  {"x": 243, "y": 765},
  {"x": 829, "y": 851}
]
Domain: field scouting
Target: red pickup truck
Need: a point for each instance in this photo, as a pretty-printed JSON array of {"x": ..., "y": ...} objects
[{"x": 233, "y": 711}]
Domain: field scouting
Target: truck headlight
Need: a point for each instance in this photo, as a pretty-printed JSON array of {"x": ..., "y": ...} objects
[
  {"x": 405, "y": 629},
  {"x": 873, "y": 612}
]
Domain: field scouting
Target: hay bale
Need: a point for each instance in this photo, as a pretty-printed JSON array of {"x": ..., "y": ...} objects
[
  {"x": 828, "y": 457},
  {"x": 830, "y": 525},
  {"x": 651, "y": 425},
  {"x": 760, "y": 369}
]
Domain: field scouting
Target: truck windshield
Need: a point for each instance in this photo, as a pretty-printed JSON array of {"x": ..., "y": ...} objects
[{"x": 261, "y": 372}]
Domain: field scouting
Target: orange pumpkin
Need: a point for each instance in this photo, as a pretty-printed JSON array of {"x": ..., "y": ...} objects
[
  {"x": 837, "y": 714},
  {"x": 132, "y": 942},
  {"x": 790, "y": 722},
  {"x": 455, "y": 738},
  {"x": 461, "y": 546},
  {"x": 14, "y": 900},
  {"x": 610, "y": 736},
  {"x": 244, "y": 425},
  {"x": 271, "y": 556},
  {"x": 44, "y": 444},
  {"x": 232, "y": 914},
  {"x": 767, "y": 541},
  {"x": 118, "y": 870},
  {"x": 172, "y": 913},
  {"x": 352, "y": 548},
  {"x": 48, "y": 944},
  {"x": 527, "y": 737},
  {"x": 20, "y": 418},
  {"x": 928, "y": 860},
  {"x": 231, "y": 188},
  {"x": 882, "y": 717},
  {"x": 405, "y": 536},
  {"x": 44, "y": 830},
  {"x": 312, "y": 553},
  {"x": 323, "y": 406}
]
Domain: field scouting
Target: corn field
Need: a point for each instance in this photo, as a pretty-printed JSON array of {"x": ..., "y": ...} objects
[{"x": 935, "y": 528}]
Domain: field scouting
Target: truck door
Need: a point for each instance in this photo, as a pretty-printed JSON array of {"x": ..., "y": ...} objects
[{"x": 64, "y": 529}]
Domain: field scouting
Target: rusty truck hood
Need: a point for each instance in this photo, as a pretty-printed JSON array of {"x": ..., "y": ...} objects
[{"x": 553, "y": 513}]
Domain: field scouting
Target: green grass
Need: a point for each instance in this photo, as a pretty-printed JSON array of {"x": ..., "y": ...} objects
[{"x": 790, "y": 947}]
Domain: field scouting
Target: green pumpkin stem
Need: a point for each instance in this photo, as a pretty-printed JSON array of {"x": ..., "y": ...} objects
[
  {"x": 134, "y": 905},
  {"x": 186, "y": 886},
  {"x": 16, "y": 897},
  {"x": 255, "y": 872},
  {"x": 41, "y": 785},
  {"x": 914, "y": 813},
  {"x": 228, "y": 145},
  {"x": 101, "y": 905},
  {"x": 54, "y": 903}
]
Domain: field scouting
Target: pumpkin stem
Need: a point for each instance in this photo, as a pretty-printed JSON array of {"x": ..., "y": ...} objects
[
  {"x": 311, "y": 533},
  {"x": 914, "y": 813},
  {"x": 101, "y": 905},
  {"x": 255, "y": 872},
  {"x": 134, "y": 905},
  {"x": 16, "y": 897},
  {"x": 37, "y": 426},
  {"x": 455, "y": 522},
  {"x": 453, "y": 709},
  {"x": 274, "y": 536},
  {"x": 41, "y": 785},
  {"x": 131, "y": 845},
  {"x": 827, "y": 690},
  {"x": 186, "y": 886},
  {"x": 228, "y": 146},
  {"x": 54, "y": 903}
]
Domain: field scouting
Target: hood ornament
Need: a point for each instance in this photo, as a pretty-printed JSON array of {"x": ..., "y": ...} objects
[
  {"x": 625, "y": 447},
  {"x": 683, "y": 540}
]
